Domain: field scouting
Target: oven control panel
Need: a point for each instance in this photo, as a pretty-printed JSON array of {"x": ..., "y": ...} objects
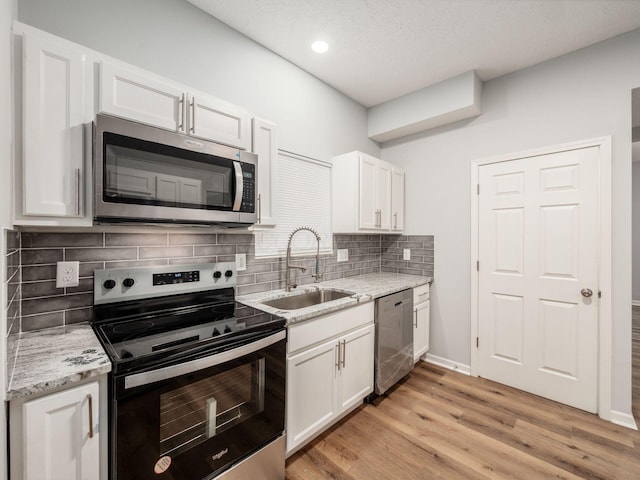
[
  {"x": 120, "y": 284},
  {"x": 176, "y": 277}
]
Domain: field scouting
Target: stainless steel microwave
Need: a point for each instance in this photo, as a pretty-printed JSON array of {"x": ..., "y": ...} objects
[{"x": 144, "y": 174}]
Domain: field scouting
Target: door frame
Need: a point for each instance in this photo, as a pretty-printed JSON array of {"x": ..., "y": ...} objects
[{"x": 605, "y": 266}]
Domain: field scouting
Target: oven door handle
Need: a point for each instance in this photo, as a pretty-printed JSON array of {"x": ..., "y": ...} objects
[{"x": 165, "y": 373}]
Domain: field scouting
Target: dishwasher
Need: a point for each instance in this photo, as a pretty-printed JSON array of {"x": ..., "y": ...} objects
[{"x": 394, "y": 339}]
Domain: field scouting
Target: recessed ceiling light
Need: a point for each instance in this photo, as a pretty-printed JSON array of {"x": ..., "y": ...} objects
[{"x": 320, "y": 46}]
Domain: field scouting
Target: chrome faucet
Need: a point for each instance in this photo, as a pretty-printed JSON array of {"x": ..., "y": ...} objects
[{"x": 288, "y": 283}]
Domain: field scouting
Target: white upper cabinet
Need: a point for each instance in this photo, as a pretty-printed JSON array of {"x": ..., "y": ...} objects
[
  {"x": 53, "y": 81},
  {"x": 140, "y": 96},
  {"x": 397, "y": 199},
  {"x": 135, "y": 94},
  {"x": 214, "y": 119},
  {"x": 364, "y": 199},
  {"x": 265, "y": 145}
]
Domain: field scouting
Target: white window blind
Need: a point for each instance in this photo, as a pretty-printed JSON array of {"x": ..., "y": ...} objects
[{"x": 304, "y": 199}]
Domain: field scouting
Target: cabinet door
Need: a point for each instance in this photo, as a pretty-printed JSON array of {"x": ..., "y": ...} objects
[
  {"x": 214, "y": 119},
  {"x": 53, "y": 117},
  {"x": 420, "y": 330},
  {"x": 397, "y": 199},
  {"x": 311, "y": 392},
  {"x": 265, "y": 145},
  {"x": 355, "y": 376},
  {"x": 142, "y": 97},
  {"x": 60, "y": 436},
  {"x": 368, "y": 208},
  {"x": 383, "y": 195}
]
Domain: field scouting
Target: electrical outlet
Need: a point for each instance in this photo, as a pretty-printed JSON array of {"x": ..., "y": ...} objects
[
  {"x": 67, "y": 274},
  {"x": 241, "y": 262},
  {"x": 406, "y": 254},
  {"x": 343, "y": 254}
]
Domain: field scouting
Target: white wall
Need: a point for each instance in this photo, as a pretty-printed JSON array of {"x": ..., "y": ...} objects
[
  {"x": 7, "y": 13},
  {"x": 636, "y": 225},
  {"x": 582, "y": 95},
  {"x": 175, "y": 39}
]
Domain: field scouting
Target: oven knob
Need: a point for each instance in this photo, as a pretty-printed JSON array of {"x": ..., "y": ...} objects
[
  {"x": 215, "y": 333},
  {"x": 217, "y": 274},
  {"x": 128, "y": 282},
  {"x": 227, "y": 329},
  {"x": 228, "y": 273},
  {"x": 109, "y": 284}
]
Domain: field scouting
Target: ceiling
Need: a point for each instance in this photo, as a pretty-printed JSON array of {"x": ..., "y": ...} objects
[{"x": 383, "y": 49}]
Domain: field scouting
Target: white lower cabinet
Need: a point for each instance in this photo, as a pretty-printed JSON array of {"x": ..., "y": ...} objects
[
  {"x": 421, "y": 317},
  {"x": 329, "y": 371},
  {"x": 59, "y": 436}
]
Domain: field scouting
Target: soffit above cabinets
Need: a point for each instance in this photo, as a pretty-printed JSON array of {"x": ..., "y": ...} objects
[{"x": 383, "y": 49}]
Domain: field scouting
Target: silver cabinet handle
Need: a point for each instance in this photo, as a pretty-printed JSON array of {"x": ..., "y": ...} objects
[
  {"x": 395, "y": 221},
  {"x": 193, "y": 115},
  {"x": 90, "y": 398},
  {"x": 259, "y": 208},
  {"x": 415, "y": 316},
  {"x": 182, "y": 112},
  {"x": 586, "y": 292},
  {"x": 77, "y": 178},
  {"x": 339, "y": 355},
  {"x": 344, "y": 353}
]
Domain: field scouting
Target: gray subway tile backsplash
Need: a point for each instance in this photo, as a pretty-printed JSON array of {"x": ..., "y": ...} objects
[{"x": 38, "y": 304}]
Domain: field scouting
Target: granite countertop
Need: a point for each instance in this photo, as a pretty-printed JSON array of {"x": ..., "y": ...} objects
[
  {"x": 365, "y": 287},
  {"x": 55, "y": 357},
  {"x": 60, "y": 356}
]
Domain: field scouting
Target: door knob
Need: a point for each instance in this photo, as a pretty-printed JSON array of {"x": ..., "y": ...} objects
[{"x": 586, "y": 292}]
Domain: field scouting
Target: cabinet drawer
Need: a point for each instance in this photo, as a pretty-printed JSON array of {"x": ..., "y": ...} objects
[
  {"x": 328, "y": 326},
  {"x": 421, "y": 294}
]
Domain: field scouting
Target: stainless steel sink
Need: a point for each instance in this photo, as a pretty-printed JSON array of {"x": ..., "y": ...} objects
[{"x": 307, "y": 299}]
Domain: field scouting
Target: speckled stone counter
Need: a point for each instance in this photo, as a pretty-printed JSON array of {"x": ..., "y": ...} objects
[
  {"x": 55, "y": 357},
  {"x": 365, "y": 288}
]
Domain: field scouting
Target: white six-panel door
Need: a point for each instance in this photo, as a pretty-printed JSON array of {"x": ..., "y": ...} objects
[{"x": 538, "y": 250}]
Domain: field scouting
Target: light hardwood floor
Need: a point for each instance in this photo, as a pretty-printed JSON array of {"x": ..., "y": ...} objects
[{"x": 439, "y": 424}]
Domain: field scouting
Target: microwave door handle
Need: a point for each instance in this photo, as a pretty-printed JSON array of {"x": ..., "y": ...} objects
[
  {"x": 237, "y": 168},
  {"x": 166, "y": 373}
]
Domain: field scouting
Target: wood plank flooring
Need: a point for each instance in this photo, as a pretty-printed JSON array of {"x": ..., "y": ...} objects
[{"x": 439, "y": 424}]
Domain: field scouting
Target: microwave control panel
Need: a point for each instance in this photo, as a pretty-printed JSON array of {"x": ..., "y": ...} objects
[{"x": 248, "y": 188}]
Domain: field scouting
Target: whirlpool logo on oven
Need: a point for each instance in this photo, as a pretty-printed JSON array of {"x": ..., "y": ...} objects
[{"x": 220, "y": 454}]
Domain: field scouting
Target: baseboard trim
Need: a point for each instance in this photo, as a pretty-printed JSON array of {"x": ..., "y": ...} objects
[
  {"x": 635, "y": 303},
  {"x": 446, "y": 363},
  {"x": 623, "y": 419}
]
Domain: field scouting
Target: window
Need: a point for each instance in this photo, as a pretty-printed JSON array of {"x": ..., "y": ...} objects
[{"x": 304, "y": 199}]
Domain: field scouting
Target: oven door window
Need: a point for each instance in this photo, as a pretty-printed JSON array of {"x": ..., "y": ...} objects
[
  {"x": 142, "y": 172},
  {"x": 198, "y": 424},
  {"x": 194, "y": 413}
]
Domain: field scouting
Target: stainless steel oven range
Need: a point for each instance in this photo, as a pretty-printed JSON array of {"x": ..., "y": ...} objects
[{"x": 197, "y": 389}]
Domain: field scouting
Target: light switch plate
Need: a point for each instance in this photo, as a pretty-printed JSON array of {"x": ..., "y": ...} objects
[
  {"x": 406, "y": 254},
  {"x": 67, "y": 274},
  {"x": 343, "y": 254},
  {"x": 241, "y": 262}
]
